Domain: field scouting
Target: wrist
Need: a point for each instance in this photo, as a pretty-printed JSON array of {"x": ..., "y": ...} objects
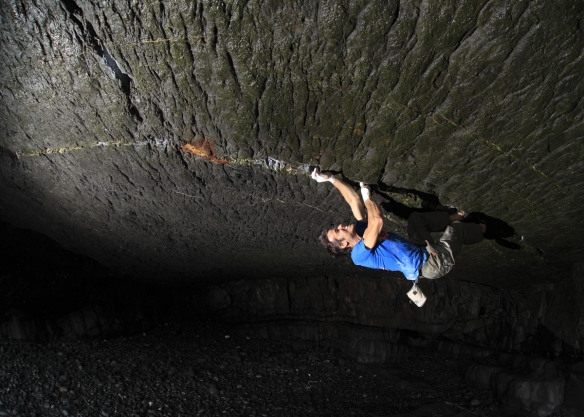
[{"x": 365, "y": 192}]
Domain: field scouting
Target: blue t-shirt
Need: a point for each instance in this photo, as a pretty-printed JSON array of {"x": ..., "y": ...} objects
[{"x": 393, "y": 253}]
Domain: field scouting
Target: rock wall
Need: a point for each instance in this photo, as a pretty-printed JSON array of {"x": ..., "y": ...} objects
[
  {"x": 172, "y": 140},
  {"x": 373, "y": 319}
]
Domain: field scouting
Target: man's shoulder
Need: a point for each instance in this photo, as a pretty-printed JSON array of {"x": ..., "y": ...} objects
[
  {"x": 359, "y": 251},
  {"x": 359, "y": 246}
]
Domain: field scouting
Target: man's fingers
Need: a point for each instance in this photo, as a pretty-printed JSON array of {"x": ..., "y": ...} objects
[
  {"x": 316, "y": 175},
  {"x": 365, "y": 191}
]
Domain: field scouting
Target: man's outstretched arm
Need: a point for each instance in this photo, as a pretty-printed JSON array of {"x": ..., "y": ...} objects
[
  {"x": 348, "y": 193},
  {"x": 374, "y": 218}
]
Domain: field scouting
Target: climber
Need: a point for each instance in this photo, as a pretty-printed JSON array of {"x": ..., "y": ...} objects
[{"x": 372, "y": 247}]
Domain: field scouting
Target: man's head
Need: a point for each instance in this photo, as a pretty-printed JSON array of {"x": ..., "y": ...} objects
[{"x": 339, "y": 240}]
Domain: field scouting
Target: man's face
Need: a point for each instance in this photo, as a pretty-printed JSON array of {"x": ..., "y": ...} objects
[{"x": 342, "y": 234}]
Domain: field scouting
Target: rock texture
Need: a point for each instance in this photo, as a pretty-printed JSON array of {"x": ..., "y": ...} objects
[
  {"x": 175, "y": 136},
  {"x": 372, "y": 319}
]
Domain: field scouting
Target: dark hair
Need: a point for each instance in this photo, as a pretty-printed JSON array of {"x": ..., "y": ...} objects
[{"x": 333, "y": 247}]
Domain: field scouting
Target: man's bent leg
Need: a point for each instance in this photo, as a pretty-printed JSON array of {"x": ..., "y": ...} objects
[
  {"x": 441, "y": 256},
  {"x": 421, "y": 225},
  {"x": 452, "y": 238}
]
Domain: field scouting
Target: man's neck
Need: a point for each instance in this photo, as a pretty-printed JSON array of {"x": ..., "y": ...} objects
[{"x": 355, "y": 239}]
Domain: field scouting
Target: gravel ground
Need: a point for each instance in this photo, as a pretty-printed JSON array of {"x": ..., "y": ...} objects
[{"x": 182, "y": 371}]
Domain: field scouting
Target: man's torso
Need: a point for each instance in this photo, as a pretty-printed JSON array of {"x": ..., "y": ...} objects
[{"x": 392, "y": 253}]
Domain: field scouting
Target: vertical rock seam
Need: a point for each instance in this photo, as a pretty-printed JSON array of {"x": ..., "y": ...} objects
[{"x": 91, "y": 38}]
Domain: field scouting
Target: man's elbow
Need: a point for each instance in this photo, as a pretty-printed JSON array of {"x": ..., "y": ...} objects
[{"x": 375, "y": 222}]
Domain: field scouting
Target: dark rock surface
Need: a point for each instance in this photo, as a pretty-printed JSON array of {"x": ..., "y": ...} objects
[
  {"x": 534, "y": 320},
  {"x": 173, "y": 137}
]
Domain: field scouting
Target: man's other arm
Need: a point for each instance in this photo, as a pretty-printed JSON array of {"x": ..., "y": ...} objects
[
  {"x": 348, "y": 193},
  {"x": 352, "y": 198},
  {"x": 374, "y": 218}
]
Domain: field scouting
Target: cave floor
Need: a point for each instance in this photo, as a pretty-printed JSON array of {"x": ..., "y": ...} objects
[{"x": 215, "y": 370}]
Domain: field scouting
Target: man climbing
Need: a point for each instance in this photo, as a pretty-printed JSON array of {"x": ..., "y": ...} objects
[{"x": 371, "y": 247}]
